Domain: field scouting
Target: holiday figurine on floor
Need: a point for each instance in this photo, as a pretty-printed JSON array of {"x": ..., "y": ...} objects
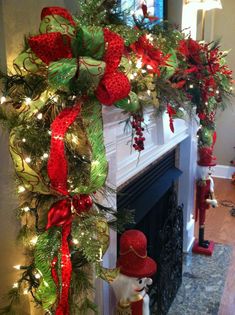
[
  {"x": 205, "y": 198},
  {"x": 135, "y": 269}
]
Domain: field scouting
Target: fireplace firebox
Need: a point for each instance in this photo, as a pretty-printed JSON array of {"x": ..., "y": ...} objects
[{"x": 153, "y": 197}]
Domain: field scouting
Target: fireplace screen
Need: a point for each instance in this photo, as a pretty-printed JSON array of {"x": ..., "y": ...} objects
[{"x": 154, "y": 198}]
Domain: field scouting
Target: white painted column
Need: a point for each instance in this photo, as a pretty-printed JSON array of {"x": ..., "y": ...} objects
[{"x": 188, "y": 164}]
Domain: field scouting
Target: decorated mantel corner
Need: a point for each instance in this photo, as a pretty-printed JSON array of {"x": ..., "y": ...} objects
[{"x": 52, "y": 107}]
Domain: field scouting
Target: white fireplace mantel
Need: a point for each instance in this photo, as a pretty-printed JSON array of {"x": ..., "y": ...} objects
[{"x": 124, "y": 163}]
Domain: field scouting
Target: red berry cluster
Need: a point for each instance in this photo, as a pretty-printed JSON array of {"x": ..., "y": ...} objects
[{"x": 136, "y": 124}]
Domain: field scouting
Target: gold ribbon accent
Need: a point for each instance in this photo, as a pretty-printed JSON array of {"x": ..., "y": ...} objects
[
  {"x": 131, "y": 249},
  {"x": 124, "y": 309}
]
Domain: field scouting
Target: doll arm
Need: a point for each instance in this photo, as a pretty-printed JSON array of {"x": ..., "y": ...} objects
[{"x": 212, "y": 201}]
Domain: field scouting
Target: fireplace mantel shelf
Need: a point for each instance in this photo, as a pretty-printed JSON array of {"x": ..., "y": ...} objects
[{"x": 159, "y": 139}]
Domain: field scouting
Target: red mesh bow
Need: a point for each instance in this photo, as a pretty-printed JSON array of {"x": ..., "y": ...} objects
[
  {"x": 54, "y": 46},
  {"x": 57, "y": 11},
  {"x": 112, "y": 88},
  {"x": 115, "y": 85},
  {"x": 51, "y": 46}
]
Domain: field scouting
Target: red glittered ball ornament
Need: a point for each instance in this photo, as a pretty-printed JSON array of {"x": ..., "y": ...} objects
[{"x": 82, "y": 203}]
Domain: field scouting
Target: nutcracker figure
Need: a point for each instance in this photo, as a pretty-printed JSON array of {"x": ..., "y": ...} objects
[
  {"x": 205, "y": 198},
  {"x": 130, "y": 286}
]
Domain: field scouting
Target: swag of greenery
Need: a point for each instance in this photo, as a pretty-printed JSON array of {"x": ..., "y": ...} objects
[{"x": 52, "y": 107}]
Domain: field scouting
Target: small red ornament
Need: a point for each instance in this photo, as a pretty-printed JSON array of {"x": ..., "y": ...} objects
[{"x": 82, "y": 203}]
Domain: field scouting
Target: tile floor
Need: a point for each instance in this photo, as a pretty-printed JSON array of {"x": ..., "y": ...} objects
[
  {"x": 208, "y": 286},
  {"x": 203, "y": 283}
]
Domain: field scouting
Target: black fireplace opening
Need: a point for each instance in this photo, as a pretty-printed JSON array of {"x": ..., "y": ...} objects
[{"x": 153, "y": 195}]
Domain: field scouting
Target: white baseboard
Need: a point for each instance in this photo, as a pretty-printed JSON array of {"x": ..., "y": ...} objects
[
  {"x": 223, "y": 171},
  {"x": 189, "y": 235}
]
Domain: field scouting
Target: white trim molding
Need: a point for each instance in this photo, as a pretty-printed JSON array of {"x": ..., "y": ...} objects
[{"x": 223, "y": 171}]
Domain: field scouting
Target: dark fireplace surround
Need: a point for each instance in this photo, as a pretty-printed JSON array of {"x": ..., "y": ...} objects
[{"x": 153, "y": 196}]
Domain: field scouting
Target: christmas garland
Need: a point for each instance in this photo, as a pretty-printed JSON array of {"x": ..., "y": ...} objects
[{"x": 52, "y": 107}]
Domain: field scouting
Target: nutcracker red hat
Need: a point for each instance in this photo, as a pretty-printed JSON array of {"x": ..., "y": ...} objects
[
  {"x": 206, "y": 157},
  {"x": 133, "y": 260}
]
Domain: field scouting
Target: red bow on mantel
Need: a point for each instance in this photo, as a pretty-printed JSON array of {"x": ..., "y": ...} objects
[
  {"x": 61, "y": 213},
  {"x": 55, "y": 46}
]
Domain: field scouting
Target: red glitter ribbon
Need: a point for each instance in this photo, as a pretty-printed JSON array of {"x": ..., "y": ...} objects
[
  {"x": 60, "y": 213},
  {"x": 57, "y": 167}
]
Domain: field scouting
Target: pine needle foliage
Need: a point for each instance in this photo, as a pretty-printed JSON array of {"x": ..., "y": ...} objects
[
  {"x": 13, "y": 297},
  {"x": 46, "y": 249},
  {"x": 81, "y": 292}
]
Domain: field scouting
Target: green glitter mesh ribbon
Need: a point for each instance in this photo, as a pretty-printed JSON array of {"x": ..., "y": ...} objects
[
  {"x": 97, "y": 167},
  {"x": 61, "y": 73},
  {"x": 27, "y": 62},
  {"x": 89, "y": 41},
  {"x": 31, "y": 180},
  {"x": 56, "y": 23},
  {"x": 46, "y": 249},
  {"x": 92, "y": 119}
]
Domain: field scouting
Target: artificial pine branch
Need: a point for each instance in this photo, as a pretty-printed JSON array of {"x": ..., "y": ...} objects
[
  {"x": 8, "y": 118},
  {"x": 14, "y": 299},
  {"x": 81, "y": 289}
]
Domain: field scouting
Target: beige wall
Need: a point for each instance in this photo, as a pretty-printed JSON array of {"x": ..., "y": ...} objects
[
  {"x": 174, "y": 12},
  {"x": 17, "y": 18},
  {"x": 224, "y": 27}
]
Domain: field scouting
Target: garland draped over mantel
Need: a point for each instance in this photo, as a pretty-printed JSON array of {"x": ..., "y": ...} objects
[{"x": 52, "y": 107}]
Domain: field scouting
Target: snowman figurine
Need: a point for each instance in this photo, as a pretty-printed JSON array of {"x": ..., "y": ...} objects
[{"x": 130, "y": 286}]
